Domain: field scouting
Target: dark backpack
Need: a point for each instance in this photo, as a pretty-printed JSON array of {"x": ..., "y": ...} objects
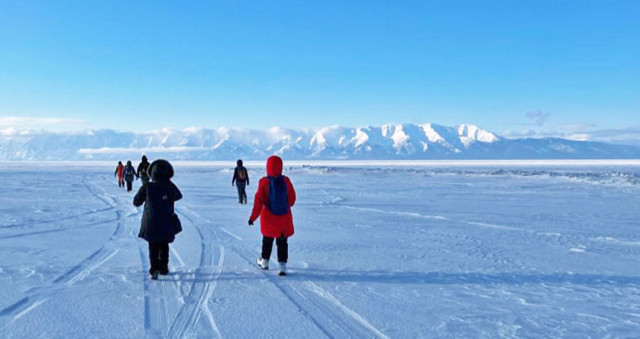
[
  {"x": 129, "y": 172},
  {"x": 242, "y": 174},
  {"x": 143, "y": 169},
  {"x": 278, "y": 197}
]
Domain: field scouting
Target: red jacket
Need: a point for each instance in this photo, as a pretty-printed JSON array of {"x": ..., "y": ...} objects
[
  {"x": 273, "y": 226},
  {"x": 120, "y": 171}
]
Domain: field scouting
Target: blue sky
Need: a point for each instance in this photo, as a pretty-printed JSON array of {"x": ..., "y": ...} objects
[{"x": 513, "y": 67}]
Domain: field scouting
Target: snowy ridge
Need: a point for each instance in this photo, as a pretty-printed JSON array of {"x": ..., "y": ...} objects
[
  {"x": 605, "y": 176},
  {"x": 387, "y": 142}
]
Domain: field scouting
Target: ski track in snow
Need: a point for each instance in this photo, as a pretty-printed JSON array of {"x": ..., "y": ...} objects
[
  {"x": 431, "y": 217},
  {"x": 156, "y": 312},
  {"x": 202, "y": 288},
  {"x": 325, "y": 311},
  {"x": 56, "y": 230},
  {"x": 338, "y": 202},
  {"x": 35, "y": 297},
  {"x": 27, "y": 222},
  {"x": 159, "y": 304},
  {"x": 555, "y": 237}
]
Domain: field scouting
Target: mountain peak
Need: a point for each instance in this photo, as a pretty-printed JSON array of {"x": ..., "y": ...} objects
[{"x": 389, "y": 141}]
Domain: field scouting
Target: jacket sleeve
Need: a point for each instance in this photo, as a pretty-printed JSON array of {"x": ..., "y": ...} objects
[
  {"x": 141, "y": 196},
  {"x": 246, "y": 172},
  {"x": 291, "y": 193},
  {"x": 235, "y": 176},
  {"x": 258, "y": 201},
  {"x": 177, "y": 194}
]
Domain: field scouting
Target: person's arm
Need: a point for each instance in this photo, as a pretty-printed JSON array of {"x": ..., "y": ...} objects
[
  {"x": 177, "y": 195},
  {"x": 116, "y": 172},
  {"x": 258, "y": 202},
  {"x": 150, "y": 169},
  {"x": 235, "y": 175},
  {"x": 140, "y": 197},
  {"x": 246, "y": 172},
  {"x": 291, "y": 192}
]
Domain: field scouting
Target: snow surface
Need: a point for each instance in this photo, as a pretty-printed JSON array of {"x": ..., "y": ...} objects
[{"x": 485, "y": 250}]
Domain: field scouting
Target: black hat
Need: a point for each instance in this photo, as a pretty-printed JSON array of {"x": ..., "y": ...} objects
[{"x": 161, "y": 170}]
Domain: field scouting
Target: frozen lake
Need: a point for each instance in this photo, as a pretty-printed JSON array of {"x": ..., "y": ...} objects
[{"x": 381, "y": 250}]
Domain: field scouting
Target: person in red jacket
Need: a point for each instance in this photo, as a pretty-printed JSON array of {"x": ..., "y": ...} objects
[
  {"x": 120, "y": 173},
  {"x": 276, "y": 220}
]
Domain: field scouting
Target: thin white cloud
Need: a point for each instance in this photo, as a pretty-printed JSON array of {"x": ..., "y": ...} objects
[{"x": 32, "y": 122}]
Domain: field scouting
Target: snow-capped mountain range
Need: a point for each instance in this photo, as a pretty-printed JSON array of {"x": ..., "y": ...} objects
[{"x": 388, "y": 142}]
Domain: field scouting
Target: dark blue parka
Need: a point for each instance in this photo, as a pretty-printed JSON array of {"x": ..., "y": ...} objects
[{"x": 158, "y": 197}]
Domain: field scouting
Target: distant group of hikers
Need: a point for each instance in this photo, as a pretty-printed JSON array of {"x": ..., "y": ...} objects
[
  {"x": 127, "y": 173},
  {"x": 159, "y": 225}
]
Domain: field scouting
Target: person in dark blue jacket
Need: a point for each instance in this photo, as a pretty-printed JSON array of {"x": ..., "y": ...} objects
[
  {"x": 142, "y": 172},
  {"x": 241, "y": 181},
  {"x": 129, "y": 173},
  {"x": 158, "y": 226}
]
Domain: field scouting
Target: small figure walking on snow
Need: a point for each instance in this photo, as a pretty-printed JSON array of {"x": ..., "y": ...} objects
[
  {"x": 272, "y": 203},
  {"x": 120, "y": 174},
  {"x": 159, "y": 224},
  {"x": 142, "y": 172},
  {"x": 129, "y": 173},
  {"x": 240, "y": 180}
]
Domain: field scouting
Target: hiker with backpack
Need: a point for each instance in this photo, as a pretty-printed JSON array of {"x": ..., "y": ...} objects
[
  {"x": 240, "y": 180},
  {"x": 120, "y": 174},
  {"x": 129, "y": 172},
  {"x": 159, "y": 224},
  {"x": 142, "y": 170},
  {"x": 272, "y": 203}
]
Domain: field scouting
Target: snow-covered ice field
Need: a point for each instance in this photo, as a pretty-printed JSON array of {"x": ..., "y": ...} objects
[{"x": 413, "y": 251}]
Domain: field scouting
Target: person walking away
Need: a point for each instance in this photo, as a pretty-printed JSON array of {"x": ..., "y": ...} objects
[
  {"x": 273, "y": 201},
  {"x": 120, "y": 174},
  {"x": 142, "y": 170},
  {"x": 241, "y": 181},
  {"x": 158, "y": 224},
  {"x": 129, "y": 173}
]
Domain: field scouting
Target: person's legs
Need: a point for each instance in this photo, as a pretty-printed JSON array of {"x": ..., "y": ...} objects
[
  {"x": 244, "y": 194},
  {"x": 283, "y": 249},
  {"x": 267, "y": 246},
  {"x": 129, "y": 186},
  {"x": 154, "y": 257},
  {"x": 240, "y": 186},
  {"x": 164, "y": 258}
]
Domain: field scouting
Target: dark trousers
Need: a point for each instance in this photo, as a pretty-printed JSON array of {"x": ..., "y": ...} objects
[
  {"x": 159, "y": 256},
  {"x": 283, "y": 248},
  {"x": 242, "y": 194},
  {"x": 129, "y": 186},
  {"x": 120, "y": 182}
]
